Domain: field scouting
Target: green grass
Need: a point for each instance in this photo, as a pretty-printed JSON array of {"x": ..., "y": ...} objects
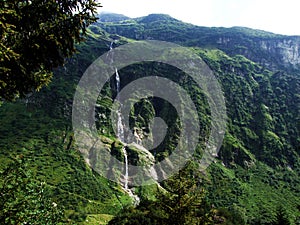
[
  {"x": 44, "y": 143},
  {"x": 97, "y": 219}
]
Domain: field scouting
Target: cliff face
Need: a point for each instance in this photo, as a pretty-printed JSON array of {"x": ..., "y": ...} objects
[
  {"x": 287, "y": 50},
  {"x": 278, "y": 52}
]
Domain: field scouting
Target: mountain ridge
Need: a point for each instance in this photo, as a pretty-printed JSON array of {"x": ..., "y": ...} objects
[
  {"x": 274, "y": 51},
  {"x": 110, "y": 17}
]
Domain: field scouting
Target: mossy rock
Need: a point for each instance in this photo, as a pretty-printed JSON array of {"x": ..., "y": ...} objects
[{"x": 139, "y": 156}]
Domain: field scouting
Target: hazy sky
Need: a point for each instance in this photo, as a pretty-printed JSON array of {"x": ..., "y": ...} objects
[{"x": 278, "y": 16}]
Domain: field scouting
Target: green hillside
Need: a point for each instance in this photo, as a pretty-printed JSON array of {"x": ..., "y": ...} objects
[{"x": 255, "y": 179}]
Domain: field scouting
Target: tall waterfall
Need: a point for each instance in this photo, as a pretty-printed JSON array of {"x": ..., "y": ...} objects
[
  {"x": 126, "y": 168},
  {"x": 120, "y": 127},
  {"x": 120, "y": 135},
  {"x": 120, "y": 132}
]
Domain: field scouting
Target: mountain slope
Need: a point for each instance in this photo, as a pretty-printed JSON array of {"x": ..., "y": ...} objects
[{"x": 258, "y": 166}]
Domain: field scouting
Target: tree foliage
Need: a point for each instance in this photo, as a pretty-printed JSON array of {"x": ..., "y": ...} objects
[
  {"x": 183, "y": 201},
  {"x": 281, "y": 217},
  {"x": 24, "y": 200},
  {"x": 36, "y": 36}
]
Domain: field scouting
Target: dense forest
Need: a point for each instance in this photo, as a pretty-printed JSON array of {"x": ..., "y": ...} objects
[{"x": 254, "y": 178}]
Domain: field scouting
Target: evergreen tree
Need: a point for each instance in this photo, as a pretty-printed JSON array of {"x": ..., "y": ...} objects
[
  {"x": 182, "y": 202},
  {"x": 35, "y": 37}
]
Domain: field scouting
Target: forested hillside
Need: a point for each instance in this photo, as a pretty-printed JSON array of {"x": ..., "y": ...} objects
[{"x": 254, "y": 179}]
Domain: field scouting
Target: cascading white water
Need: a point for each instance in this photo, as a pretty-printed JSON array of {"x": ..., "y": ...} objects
[
  {"x": 117, "y": 80},
  {"x": 120, "y": 135},
  {"x": 120, "y": 127},
  {"x": 120, "y": 132},
  {"x": 126, "y": 168}
]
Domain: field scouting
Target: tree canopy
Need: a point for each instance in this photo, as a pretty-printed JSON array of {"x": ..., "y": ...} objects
[{"x": 35, "y": 37}]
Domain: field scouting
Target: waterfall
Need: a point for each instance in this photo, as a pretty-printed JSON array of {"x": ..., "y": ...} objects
[
  {"x": 120, "y": 132},
  {"x": 117, "y": 80},
  {"x": 120, "y": 135},
  {"x": 120, "y": 127},
  {"x": 126, "y": 168}
]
